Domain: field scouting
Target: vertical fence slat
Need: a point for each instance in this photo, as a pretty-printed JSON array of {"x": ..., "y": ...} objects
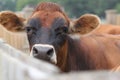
[
  {"x": 111, "y": 16},
  {"x": 118, "y": 19},
  {"x": 11, "y": 71},
  {"x": 5, "y": 68}
]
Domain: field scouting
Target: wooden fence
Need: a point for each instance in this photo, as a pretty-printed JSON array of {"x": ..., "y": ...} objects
[
  {"x": 15, "y": 39},
  {"x": 112, "y": 17}
]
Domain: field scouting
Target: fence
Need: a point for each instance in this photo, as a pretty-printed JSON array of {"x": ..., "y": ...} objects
[
  {"x": 95, "y": 75},
  {"x": 15, "y": 39},
  {"x": 15, "y": 65},
  {"x": 112, "y": 17}
]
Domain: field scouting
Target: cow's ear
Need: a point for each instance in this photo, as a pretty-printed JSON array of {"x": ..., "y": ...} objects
[
  {"x": 85, "y": 24},
  {"x": 2, "y": 21}
]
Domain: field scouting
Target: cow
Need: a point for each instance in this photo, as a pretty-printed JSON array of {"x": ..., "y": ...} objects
[
  {"x": 76, "y": 27},
  {"x": 50, "y": 40},
  {"x": 10, "y": 21}
]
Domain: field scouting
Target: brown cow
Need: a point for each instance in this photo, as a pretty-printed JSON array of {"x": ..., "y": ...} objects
[
  {"x": 49, "y": 39},
  {"x": 11, "y": 21},
  {"x": 76, "y": 26}
]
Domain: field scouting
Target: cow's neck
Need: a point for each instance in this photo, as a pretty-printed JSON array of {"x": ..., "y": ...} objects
[
  {"x": 75, "y": 59},
  {"x": 79, "y": 57}
]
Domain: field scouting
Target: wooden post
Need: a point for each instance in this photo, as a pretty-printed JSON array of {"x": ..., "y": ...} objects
[
  {"x": 111, "y": 16},
  {"x": 118, "y": 19}
]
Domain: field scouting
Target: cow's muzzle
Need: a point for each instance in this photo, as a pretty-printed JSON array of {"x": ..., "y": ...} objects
[{"x": 44, "y": 52}]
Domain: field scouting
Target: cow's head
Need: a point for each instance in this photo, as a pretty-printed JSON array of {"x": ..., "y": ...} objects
[
  {"x": 47, "y": 31},
  {"x": 11, "y": 21}
]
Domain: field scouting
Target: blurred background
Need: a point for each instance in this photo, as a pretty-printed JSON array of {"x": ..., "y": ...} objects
[{"x": 74, "y": 8}]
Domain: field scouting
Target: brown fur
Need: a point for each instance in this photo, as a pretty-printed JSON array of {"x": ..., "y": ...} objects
[
  {"x": 93, "y": 52},
  {"x": 61, "y": 60},
  {"x": 11, "y": 21},
  {"x": 85, "y": 24},
  {"x": 89, "y": 22},
  {"x": 48, "y": 7},
  {"x": 107, "y": 28},
  {"x": 48, "y": 11},
  {"x": 116, "y": 69}
]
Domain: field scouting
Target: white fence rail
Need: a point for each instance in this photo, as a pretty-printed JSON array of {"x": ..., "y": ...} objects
[
  {"x": 95, "y": 75},
  {"x": 15, "y": 65}
]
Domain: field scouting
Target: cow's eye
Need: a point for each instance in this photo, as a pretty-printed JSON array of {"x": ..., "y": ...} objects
[
  {"x": 61, "y": 30},
  {"x": 28, "y": 29},
  {"x": 31, "y": 30},
  {"x": 65, "y": 29}
]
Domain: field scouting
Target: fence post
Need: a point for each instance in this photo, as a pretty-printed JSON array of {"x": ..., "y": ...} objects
[
  {"x": 111, "y": 16},
  {"x": 118, "y": 19}
]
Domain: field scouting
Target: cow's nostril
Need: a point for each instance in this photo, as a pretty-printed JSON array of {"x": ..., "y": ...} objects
[
  {"x": 50, "y": 52},
  {"x": 35, "y": 50}
]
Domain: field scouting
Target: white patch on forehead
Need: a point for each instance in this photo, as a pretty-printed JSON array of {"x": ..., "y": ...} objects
[{"x": 53, "y": 59}]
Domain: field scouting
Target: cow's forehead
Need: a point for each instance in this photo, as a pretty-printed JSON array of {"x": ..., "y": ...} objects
[
  {"x": 47, "y": 17},
  {"x": 35, "y": 22}
]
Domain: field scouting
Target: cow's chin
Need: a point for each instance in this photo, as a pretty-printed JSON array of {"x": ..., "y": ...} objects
[{"x": 52, "y": 60}]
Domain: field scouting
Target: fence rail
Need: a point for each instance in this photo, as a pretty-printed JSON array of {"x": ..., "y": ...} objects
[
  {"x": 15, "y": 65},
  {"x": 91, "y": 75}
]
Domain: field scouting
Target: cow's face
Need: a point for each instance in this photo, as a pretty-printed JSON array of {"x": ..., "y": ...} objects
[
  {"x": 46, "y": 33},
  {"x": 47, "y": 42}
]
